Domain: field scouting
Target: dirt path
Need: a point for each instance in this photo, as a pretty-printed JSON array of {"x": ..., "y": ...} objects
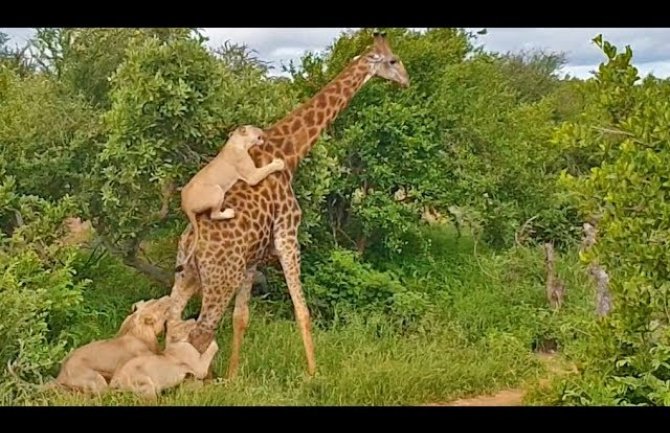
[
  {"x": 509, "y": 397},
  {"x": 514, "y": 396}
]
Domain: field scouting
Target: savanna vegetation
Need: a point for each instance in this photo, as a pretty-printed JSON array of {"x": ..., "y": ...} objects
[{"x": 426, "y": 215}]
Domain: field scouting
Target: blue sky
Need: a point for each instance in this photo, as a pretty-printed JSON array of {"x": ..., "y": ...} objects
[{"x": 651, "y": 46}]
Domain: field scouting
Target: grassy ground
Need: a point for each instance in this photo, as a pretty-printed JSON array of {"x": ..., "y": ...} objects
[
  {"x": 356, "y": 367},
  {"x": 487, "y": 313}
]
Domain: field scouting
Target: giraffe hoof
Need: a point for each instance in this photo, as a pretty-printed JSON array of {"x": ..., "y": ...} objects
[
  {"x": 193, "y": 384},
  {"x": 220, "y": 381},
  {"x": 210, "y": 374}
]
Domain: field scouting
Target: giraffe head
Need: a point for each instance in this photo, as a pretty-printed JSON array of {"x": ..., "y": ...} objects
[
  {"x": 383, "y": 63},
  {"x": 247, "y": 136}
]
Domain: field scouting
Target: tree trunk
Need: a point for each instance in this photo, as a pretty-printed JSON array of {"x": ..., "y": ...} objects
[
  {"x": 603, "y": 297},
  {"x": 157, "y": 274},
  {"x": 131, "y": 259},
  {"x": 555, "y": 288}
]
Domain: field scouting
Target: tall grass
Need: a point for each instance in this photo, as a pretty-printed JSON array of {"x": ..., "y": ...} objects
[{"x": 486, "y": 313}]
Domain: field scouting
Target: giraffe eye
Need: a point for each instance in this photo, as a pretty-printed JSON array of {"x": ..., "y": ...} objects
[{"x": 393, "y": 61}]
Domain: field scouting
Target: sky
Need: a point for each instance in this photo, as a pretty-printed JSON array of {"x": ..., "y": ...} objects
[{"x": 651, "y": 46}]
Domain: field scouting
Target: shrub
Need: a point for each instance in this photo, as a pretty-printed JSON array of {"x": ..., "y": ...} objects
[
  {"x": 627, "y": 192},
  {"x": 39, "y": 292}
]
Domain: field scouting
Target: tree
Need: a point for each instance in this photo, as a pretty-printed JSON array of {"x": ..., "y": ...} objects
[
  {"x": 15, "y": 59},
  {"x": 172, "y": 106},
  {"x": 85, "y": 58},
  {"x": 623, "y": 186}
]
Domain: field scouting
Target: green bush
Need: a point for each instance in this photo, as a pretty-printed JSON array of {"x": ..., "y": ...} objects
[
  {"x": 627, "y": 192},
  {"x": 342, "y": 283},
  {"x": 45, "y": 161},
  {"x": 40, "y": 295},
  {"x": 172, "y": 105},
  {"x": 469, "y": 132}
]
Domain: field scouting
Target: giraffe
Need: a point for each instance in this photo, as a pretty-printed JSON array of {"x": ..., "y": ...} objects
[{"x": 268, "y": 214}]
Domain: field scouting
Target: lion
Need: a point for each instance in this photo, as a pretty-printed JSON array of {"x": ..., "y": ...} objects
[
  {"x": 207, "y": 189},
  {"x": 149, "y": 375},
  {"x": 89, "y": 367}
]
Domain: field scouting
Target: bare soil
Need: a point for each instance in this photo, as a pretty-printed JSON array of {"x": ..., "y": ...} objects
[{"x": 514, "y": 396}]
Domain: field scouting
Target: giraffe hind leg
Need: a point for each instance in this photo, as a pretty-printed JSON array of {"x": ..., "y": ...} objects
[
  {"x": 225, "y": 215},
  {"x": 185, "y": 286},
  {"x": 240, "y": 322},
  {"x": 216, "y": 295},
  {"x": 215, "y": 212}
]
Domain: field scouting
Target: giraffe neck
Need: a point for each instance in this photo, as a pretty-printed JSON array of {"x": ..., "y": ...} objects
[{"x": 293, "y": 137}]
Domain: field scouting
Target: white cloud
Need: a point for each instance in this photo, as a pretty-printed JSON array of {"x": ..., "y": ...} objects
[
  {"x": 287, "y": 52},
  {"x": 276, "y": 44},
  {"x": 17, "y": 35},
  {"x": 651, "y": 47},
  {"x": 658, "y": 69},
  {"x": 648, "y": 44}
]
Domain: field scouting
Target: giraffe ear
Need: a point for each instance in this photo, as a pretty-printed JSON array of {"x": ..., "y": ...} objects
[{"x": 374, "y": 57}]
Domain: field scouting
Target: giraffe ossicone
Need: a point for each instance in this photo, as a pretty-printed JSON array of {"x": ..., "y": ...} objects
[{"x": 268, "y": 214}]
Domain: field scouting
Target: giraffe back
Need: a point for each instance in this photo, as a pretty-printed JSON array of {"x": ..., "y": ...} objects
[{"x": 249, "y": 234}]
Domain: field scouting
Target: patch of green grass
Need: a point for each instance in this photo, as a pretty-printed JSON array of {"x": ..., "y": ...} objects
[
  {"x": 486, "y": 311},
  {"x": 356, "y": 366}
]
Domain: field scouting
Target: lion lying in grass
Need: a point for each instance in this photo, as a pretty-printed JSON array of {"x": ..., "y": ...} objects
[
  {"x": 148, "y": 375},
  {"x": 89, "y": 367}
]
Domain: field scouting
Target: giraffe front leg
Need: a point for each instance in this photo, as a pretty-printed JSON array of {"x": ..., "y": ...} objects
[
  {"x": 288, "y": 250},
  {"x": 258, "y": 174},
  {"x": 240, "y": 322}
]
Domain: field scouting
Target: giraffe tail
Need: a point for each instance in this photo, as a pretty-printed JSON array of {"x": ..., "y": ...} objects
[{"x": 194, "y": 224}]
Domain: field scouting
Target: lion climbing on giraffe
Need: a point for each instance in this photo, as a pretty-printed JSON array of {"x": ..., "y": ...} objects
[
  {"x": 268, "y": 214},
  {"x": 206, "y": 191}
]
